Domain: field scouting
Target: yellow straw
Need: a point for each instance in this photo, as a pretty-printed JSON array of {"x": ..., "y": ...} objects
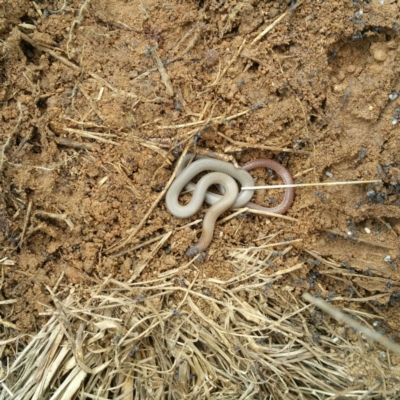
[{"x": 308, "y": 184}]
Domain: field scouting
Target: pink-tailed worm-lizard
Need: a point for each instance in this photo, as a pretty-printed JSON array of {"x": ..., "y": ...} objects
[{"x": 224, "y": 174}]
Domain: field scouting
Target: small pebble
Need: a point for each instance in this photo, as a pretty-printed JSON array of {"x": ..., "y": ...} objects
[
  {"x": 367, "y": 230},
  {"x": 379, "y": 55},
  {"x": 351, "y": 68},
  {"x": 329, "y": 174},
  {"x": 350, "y": 233},
  {"x": 393, "y": 96},
  {"x": 387, "y": 259},
  {"x": 378, "y": 52},
  {"x": 211, "y": 57}
]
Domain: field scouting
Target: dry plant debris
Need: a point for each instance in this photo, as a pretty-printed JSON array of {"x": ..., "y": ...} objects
[{"x": 248, "y": 339}]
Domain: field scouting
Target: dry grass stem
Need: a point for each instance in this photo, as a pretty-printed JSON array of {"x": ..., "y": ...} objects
[
  {"x": 10, "y": 135},
  {"x": 90, "y": 102},
  {"x": 63, "y": 7},
  {"x": 297, "y": 185},
  {"x": 230, "y": 63},
  {"x": 152, "y": 146},
  {"x": 388, "y": 226},
  {"x": 343, "y": 318},
  {"x": 205, "y": 121},
  {"x": 139, "y": 268},
  {"x": 276, "y": 22},
  {"x": 75, "y": 22},
  {"x": 72, "y": 143},
  {"x": 122, "y": 174},
  {"x": 100, "y": 137},
  {"x": 357, "y": 239},
  {"x": 163, "y": 72},
  {"x": 6, "y": 261},
  {"x": 195, "y": 34},
  {"x": 8, "y": 324},
  {"x": 269, "y": 214},
  {"x": 301, "y": 173},
  {"x": 245, "y": 145},
  {"x": 26, "y": 221},
  {"x": 269, "y": 28},
  {"x": 59, "y": 217},
  {"x": 213, "y": 154},
  {"x": 63, "y": 60},
  {"x": 197, "y": 221}
]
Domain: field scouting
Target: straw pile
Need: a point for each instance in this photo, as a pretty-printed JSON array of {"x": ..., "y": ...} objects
[{"x": 244, "y": 338}]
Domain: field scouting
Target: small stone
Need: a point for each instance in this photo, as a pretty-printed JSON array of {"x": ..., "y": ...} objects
[
  {"x": 378, "y": 52},
  {"x": 351, "y": 68},
  {"x": 133, "y": 74},
  {"x": 88, "y": 265},
  {"x": 338, "y": 88},
  {"x": 211, "y": 57},
  {"x": 74, "y": 275}
]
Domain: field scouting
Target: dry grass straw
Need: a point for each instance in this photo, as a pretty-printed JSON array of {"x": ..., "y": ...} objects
[
  {"x": 162, "y": 70},
  {"x": 341, "y": 317},
  {"x": 10, "y": 135},
  {"x": 300, "y": 185},
  {"x": 276, "y": 22},
  {"x": 246, "y": 337}
]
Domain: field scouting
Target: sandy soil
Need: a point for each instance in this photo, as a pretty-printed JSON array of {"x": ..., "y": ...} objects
[{"x": 89, "y": 132}]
